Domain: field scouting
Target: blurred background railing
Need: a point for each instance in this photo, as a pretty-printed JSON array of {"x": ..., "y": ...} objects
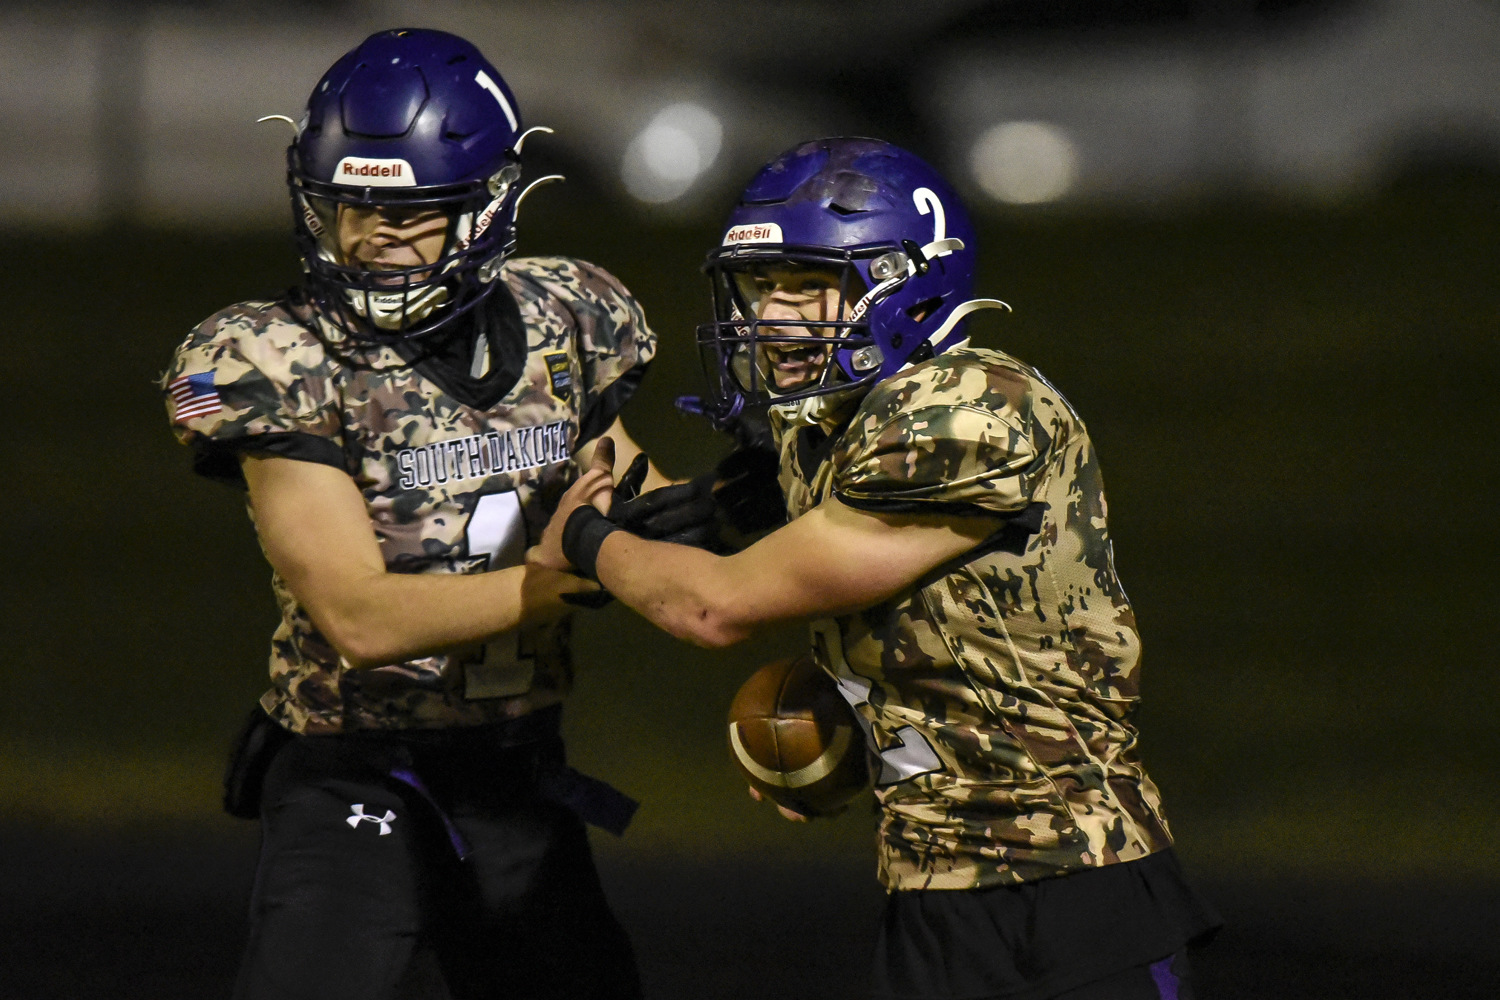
[{"x": 146, "y": 110}]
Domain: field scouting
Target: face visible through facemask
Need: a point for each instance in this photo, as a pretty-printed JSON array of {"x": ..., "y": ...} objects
[
  {"x": 793, "y": 295},
  {"x": 390, "y": 237}
]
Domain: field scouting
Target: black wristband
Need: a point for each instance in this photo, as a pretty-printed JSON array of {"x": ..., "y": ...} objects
[{"x": 586, "y": 530}]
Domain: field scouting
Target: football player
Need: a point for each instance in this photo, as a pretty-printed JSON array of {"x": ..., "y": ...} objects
[
  {"x": 403, "y": 424},
  {"x": 947, "y": 540}
]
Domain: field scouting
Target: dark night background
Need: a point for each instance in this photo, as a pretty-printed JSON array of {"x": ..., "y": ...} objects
[{"x": 1294, "y": 404}]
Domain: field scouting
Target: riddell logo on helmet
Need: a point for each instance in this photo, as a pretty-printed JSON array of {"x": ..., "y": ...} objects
[
  {"x": 753, "y": 232},
  {"x": 364, "y": 172}
]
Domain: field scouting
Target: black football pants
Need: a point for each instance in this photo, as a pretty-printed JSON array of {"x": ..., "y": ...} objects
[{"x": 357, "y": 869}]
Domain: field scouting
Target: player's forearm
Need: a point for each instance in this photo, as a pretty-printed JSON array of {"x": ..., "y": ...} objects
[
  {"x": 315, "y": 529},
  {"x": 381, "y": 618},
  {"x": 682, "y": 590}
]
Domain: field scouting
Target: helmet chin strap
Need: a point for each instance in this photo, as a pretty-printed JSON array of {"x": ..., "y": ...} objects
[
  {"x": 810, "y": 409},
  {"x": 391, "y": 310},
  {"x": 939, "y": 247}
]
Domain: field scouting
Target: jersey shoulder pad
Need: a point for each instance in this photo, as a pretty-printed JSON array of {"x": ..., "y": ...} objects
[
  {"x": 250, "y": 369},
  {"x": 954, "y": 434},
  {"x": 577, "y": 283},
  {"x": 585, "y": 311}
]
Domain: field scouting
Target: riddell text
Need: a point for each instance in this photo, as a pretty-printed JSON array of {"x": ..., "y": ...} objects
[
  {"x": 741, "y": 234},
  {"x": 373, "y": 170}
]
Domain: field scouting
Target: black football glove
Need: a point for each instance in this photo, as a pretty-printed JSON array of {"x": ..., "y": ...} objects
[
  {"x": 682, "y": 513},
  {"x": 745, "y": 487},
  {"x": 751, "y": 429},
  {"x": 714, "y": 511},
  {"x": 741, "y": 496},
  {"x": 748, "y": 494}
]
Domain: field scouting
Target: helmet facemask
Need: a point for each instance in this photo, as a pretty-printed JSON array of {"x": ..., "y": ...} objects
[
  {"x": 386, "y": 305},
  {"x": 865, "y": 209},
  {"x": 788, "y": 329}
]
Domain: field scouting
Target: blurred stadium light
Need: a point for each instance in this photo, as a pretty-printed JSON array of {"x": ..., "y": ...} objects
[
  {"x": 663, "y": 161},
  {"x": 1024, "y": 163},
  {"x": 1331, "y": 104},
  {"x": 146, "y": 109}
]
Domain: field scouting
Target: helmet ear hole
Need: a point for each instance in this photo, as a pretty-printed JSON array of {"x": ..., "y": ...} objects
[{"x": 923, "y": 309}]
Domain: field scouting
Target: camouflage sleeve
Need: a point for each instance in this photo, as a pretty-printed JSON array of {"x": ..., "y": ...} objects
[
  {"x": 615, "y": 347},
  {"x": 249, "y": 379},
  {"x": 942, "y": 440}
]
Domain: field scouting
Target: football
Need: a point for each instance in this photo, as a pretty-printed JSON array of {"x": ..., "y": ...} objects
[{"x": 796, "y": 739}]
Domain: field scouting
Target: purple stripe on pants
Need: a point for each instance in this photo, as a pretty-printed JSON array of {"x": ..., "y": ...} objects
[{"x": 1166, "y": 979}]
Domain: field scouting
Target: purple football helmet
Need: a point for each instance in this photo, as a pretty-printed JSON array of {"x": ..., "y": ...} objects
[
  {"x": 410, "y": 120},
  {"x": 895, "y": 233}
]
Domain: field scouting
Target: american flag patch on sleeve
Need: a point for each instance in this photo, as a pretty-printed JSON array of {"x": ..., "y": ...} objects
[{"x": 195, "y": 395}]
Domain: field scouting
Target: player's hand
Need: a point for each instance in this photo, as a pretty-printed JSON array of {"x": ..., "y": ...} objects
[
  {"x": 747, "y": 491},
  {"x": 595, "y": 487},
  {"x": 682, "y": 513},
  {"x": 542, "y": 584},
  {"x": 786, "y": 813}
]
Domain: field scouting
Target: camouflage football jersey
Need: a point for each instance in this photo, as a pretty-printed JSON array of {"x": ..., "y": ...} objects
[
  {"x": 998, "y": 691},
  {"x": 451, "y": 487}
]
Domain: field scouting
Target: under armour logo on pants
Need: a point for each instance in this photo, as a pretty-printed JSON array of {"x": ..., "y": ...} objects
[{"x": 358, "y": 815}]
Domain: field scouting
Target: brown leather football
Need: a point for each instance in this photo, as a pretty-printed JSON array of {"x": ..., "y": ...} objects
[{"x": 796, "y": 739}]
